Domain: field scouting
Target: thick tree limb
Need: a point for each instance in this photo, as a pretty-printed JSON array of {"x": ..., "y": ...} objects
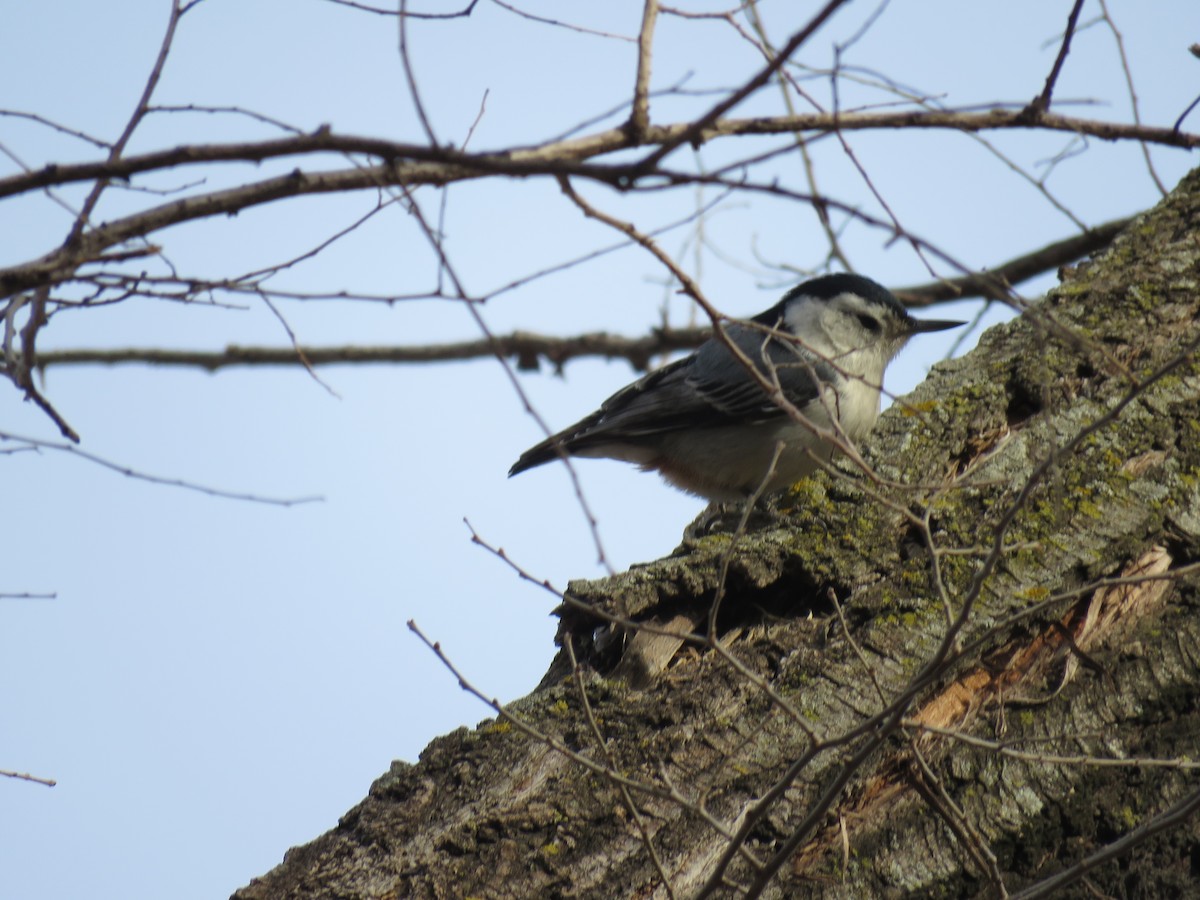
[{"x": 975, "y": 566}]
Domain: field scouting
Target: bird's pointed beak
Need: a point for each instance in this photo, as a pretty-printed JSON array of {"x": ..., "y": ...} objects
[{"x": 922, "y": 326}]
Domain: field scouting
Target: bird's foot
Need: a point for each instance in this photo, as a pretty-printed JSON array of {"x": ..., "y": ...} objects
[{"x": 727, "y": 518}]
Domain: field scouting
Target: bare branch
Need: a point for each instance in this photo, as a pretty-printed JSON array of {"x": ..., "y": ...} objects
[
  {"x": 529, "y": 349},
  {"x": 639, "y": 117},
  {"x": 819, "y": 206},
  {"x": 1133, "y": 97},
  {"x": 135, "y": 119},
  {"x": 1005, "y": 748},
  {"x": 130, "y": 472},
  {"x": 411, "y": 78},
  {"x": 20, "y": 369},
  {"x": 693, "y": 131},
  {"x": 526, "y": 347},
  {"x": 1041, "y": 103},
  {"x": 364, "y": 7},
  {"x": 56, "y": 126},
  {"x": 566, "y": 156},
  {"x": 557, "y": 23},
  {"x": 228, "y": 110},
  {"x": 529, "y": 730},
  {"x": 25, "y": 776},
  {"x": 473, "y": 310}
]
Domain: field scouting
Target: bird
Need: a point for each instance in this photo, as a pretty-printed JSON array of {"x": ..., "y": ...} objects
[{"x": 712, "y": 427}]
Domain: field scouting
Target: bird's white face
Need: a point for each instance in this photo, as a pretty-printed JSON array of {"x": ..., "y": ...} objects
[{"x": 856, "y": 336}]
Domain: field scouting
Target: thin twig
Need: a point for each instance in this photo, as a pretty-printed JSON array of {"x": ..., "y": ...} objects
[
  {"x": 531, "y": 731},
  {"x": 1041, "y": 103},
  {"x": 1172, "y": 817},
  {"x": 1005, "y": 748},
  {"x": 639, "y": 116},
  {"x": 128, "y": 472},
  {"x": 365, "y": 7},
  {"x": 473, "y": 310},
  {"x": 57, "y": 126},
  {"x": 25, "y": 776},
  {"x": 934, "y": 791},
  {"x": 634, "y": 813},
  {"x": 135, "y": 119},
  {"x": 1133, "y": 98},
  {"x": 410, "y": 77},
  {"x": 697, "y": 127}
]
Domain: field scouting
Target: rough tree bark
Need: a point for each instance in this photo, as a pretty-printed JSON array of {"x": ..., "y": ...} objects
[{"x": 932, "y": 680}]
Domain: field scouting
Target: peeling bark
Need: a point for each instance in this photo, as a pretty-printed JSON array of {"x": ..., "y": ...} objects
[{"x": 1039, "y": 498}]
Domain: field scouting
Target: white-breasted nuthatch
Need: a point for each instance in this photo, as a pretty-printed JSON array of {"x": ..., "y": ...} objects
[{"x": 710, "y": 426}]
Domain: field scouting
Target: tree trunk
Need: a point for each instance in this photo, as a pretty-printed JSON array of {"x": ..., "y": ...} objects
[{"x": 960, "y": 668}]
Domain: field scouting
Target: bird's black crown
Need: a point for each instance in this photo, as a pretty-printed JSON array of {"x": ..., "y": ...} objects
[{"x": 826, "y": 287}]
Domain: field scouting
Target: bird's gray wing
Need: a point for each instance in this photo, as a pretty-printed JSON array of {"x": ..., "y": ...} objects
[{"x": 709, "y": 389}]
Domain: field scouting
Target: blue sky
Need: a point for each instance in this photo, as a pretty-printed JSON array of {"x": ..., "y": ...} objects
[{"x": 217, "y": 680}]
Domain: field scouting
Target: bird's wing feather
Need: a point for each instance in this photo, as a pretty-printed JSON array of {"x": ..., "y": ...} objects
[{"x": 709, "y": 389}]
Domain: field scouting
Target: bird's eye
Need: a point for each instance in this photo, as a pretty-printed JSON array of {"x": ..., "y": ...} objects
[{"x": 869, "y": 322}]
